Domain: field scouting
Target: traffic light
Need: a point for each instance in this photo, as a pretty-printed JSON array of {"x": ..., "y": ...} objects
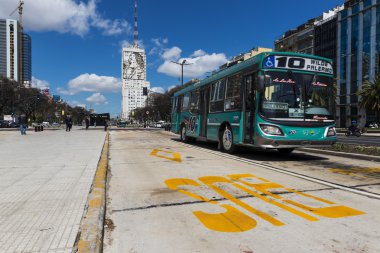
[{"x": 145, "y": 91}]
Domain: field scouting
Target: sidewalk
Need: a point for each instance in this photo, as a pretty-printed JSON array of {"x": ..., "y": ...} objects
[{"x": 45, "y": 178}]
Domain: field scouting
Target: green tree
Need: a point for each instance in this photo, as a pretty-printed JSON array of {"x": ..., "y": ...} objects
[{"x": 370, "y": 96}]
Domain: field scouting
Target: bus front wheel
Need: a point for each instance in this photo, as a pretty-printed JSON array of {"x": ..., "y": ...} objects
[
  {"x": 285, "y": 150},
  {"x": 226, "y": 140}
]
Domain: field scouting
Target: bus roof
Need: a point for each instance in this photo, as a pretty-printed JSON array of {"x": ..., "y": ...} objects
[{"x": 245, "y": 64}]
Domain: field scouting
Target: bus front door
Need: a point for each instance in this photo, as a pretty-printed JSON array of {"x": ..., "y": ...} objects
[
  {"x": 205, "y": 99},
  {"x": 249, "y": 95}
]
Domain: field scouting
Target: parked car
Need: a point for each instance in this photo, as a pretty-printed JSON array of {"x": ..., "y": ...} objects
[
  {"x": 122, "y": 124},
  {"x": 46, "y": 124},
  {"x": 372, "y": 124},
  {"x": 55, "y": 124},
  {"x": 4, "y": 124},
  {"x": 14, "y": 125}
]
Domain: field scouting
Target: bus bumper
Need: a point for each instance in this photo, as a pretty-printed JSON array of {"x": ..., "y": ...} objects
[{"x": 271, "y": 144}]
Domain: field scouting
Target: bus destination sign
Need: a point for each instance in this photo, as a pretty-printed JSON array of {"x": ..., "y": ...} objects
[{"x": 297, "y": 63}]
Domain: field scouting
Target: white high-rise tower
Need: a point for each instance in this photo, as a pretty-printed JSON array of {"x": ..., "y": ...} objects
[{"x": 133, "y": 64}]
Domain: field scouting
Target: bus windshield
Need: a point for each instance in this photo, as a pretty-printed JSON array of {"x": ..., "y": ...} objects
[{"x": 298, "y": 97}]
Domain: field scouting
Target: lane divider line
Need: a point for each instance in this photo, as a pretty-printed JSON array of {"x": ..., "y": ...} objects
[
  {"x": 294, "y": 174},
  {"x": 90, "y": 236}
]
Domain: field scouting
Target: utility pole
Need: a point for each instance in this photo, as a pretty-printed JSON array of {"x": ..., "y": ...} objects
[{"x": 182, "y": 64}]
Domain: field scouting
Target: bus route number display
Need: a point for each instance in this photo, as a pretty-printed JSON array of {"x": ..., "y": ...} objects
[{"x": 297, "y": 63}]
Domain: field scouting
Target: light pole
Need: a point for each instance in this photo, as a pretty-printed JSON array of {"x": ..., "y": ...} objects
[{"x": 182, "y": 64}]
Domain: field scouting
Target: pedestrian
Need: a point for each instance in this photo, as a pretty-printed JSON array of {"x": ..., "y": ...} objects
[
  {"x": 106, "y": 125},
  {"x": 22, "y": 122},
  {"x": 69, "y": 123},
  {"x": 87, "y": 123}
]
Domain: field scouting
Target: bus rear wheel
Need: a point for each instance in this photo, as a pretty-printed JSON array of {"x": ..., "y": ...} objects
[
  {"x": 285, "y": 150},
  {"x": 183, "y": 135},
  {"x": 226, "y": 140}
]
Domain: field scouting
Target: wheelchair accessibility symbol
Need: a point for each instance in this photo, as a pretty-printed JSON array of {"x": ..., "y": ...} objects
[{"x": 269, "y": 62}]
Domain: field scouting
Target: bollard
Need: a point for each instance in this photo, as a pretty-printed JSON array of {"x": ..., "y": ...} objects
[
  {"x": 35, "y": 129},
  {"x": 42, "y": 128}
]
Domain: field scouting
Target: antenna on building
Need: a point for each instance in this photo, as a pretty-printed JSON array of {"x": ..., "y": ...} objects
[{"x": 136, "y": 31}]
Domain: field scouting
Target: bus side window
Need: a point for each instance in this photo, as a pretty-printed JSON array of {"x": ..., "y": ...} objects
[
  {"x": 185, "y": 102},
  {"x": 217, "y": 96},
  {"x": 232, "y": 101},
  {"x": 194, "y": 102}
]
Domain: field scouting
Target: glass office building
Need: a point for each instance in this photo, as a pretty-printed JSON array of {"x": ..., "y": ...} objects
[
  {"x": 358, "y": 57},
  {"x": 26, "y": 59}
]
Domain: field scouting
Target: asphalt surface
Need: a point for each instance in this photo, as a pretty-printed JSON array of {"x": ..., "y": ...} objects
[{"x": 166, "y": 196}]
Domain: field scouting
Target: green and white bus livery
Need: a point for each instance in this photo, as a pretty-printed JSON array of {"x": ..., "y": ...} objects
[{"x": 273, "y": 100}]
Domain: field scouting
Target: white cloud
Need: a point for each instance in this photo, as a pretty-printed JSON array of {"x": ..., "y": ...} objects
[
  {"x": 97, "y": 99},
  {"x": 158, "y": 90},
  {"x": 159, "y": 42},
  {"x": 64, "y": 16},
  {"x": 40, "y": 84},
  {"x": 172, "y": 87},
  {"x": 200, "y": 63},
  {"x": 92, "y": 83},
  {"x": 62, "y": 91},
  {"x": 159, "y": 45},
  {"x": 75, "y": 103},
  {"x": 172, "y": 54},
  {"x": 126, "y": 43},
  {"x": 197, "y": 53}
]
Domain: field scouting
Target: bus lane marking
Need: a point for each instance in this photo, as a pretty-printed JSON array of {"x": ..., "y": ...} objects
[
  {"x": 233, "y": 220},
  {"x": 166, "y": 154}
]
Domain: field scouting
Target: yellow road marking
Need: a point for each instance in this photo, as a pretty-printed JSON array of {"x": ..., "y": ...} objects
[
  {"x": 230, "y": 221},
  {"x": 211, "y": 180},
  {"x": 234, "y": 220},
  {"x": 166, "y": 154}
]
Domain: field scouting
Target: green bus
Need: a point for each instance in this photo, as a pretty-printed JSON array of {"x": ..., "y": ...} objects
[{"x": 274, "y": 100}]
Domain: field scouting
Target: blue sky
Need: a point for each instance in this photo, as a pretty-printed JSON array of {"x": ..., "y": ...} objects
[{"x": 77, "y": 44}]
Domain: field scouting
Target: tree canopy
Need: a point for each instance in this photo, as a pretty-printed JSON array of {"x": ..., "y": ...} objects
[
  {"x": 15, "y": 99},
  {"x": 370, "y": 96}
]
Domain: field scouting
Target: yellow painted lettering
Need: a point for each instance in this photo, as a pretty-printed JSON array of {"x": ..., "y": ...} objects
[
  {"x": 232, "y": 220},
  {"x": 335, "y": 211},
  {"x": 212, "y": 180}
]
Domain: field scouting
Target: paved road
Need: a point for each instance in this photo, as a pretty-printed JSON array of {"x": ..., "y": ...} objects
[
  {"x": 45, "y": 178},
  {"x": 165, "y": 196},
  {"x": 362, "y": 140}
]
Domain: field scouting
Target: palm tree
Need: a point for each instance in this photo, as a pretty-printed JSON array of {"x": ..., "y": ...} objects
[{"x": 370, "y": 96}]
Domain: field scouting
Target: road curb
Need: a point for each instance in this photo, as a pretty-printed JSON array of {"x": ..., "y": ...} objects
[
  {"x": 90, "y": 236},
  {"x": 341, "y": 154}
]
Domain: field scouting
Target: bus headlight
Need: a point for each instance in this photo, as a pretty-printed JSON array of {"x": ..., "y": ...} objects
[
  {"x": 330, "y": 132},
  {"x": 271, "y": 130}
]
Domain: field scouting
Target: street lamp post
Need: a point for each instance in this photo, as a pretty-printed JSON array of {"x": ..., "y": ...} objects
[{"x": 182, "y": 64}]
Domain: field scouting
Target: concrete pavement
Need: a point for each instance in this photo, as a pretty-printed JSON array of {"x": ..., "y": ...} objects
[
  {"x": 45, "y": 178},
  {"x": 165, "y": 196}
]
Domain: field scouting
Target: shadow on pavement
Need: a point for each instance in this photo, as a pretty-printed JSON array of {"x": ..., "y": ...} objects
[{"x": 256, "y": 154}]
